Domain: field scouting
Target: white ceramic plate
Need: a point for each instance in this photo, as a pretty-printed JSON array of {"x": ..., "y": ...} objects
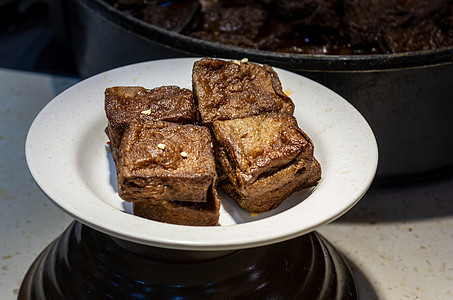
[{"x": 67, "y": 155}]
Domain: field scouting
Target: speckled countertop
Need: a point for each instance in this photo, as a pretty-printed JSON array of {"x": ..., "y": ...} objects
[{"x": 398, "y": 239}]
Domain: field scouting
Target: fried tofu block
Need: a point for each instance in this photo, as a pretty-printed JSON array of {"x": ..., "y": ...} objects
[
  {"x": 164, "y": 161},
  {"x": 181, "y": 213},
  {"x": 265, "y": 159},
  {"x": 226, "y": 90},
  {"x": 126, "y": 104}
]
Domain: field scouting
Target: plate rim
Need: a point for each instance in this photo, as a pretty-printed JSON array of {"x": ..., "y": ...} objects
[{"x": 229, "y": 241}]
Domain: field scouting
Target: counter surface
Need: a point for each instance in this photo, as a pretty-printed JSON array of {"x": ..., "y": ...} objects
[{"x": 398, "y": 239}]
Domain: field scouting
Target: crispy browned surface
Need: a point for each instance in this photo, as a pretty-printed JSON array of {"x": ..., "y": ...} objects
[
  {"x": 259, "y": 144},
  {"x": 167, "y": 169},
  {"x": 182, "y": 213},
  {"x": 226, "y": 90},
  {"x": 265, "y": 158},
  {"x": 124, "y": 105},
  {"x": 269, "y": 192},
  {"x": 165, "y": 161}
]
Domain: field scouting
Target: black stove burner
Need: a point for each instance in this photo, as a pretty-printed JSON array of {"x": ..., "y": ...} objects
[{"x": 86, "y": 264}]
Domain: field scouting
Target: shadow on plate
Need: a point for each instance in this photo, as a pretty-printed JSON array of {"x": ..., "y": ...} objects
[{"x": 240, "y": 215}]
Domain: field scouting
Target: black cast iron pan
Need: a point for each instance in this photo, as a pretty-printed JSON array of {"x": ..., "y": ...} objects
[{"x": 406, "y": 97}]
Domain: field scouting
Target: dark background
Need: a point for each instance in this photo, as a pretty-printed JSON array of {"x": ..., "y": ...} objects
[{"x": 28, "y": 40}]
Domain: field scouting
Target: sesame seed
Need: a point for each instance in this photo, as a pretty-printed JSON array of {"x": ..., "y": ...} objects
[
  {"x": 237, "y": 62},
  {"x": 161, "y": 146},
  {"x": 184, "y": 154},
  {"x": 146, "y": 112},
  {"x": 244, "y": 60}
]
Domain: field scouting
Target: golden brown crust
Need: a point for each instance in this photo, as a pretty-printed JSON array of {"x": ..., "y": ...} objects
[
  {"x": 227, "y": 90},
  {"x": 126, "y": 104},
  {"x": 181, "y": 213},
  {"x": 167, "y": 169},
  {"x": 265, "y": 158},
  {"x": 269, "y": 192},
  {"x": 165, "y": 161}
]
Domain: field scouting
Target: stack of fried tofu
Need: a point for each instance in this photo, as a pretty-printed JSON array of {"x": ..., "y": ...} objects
[{"x": 172, "y": 146}]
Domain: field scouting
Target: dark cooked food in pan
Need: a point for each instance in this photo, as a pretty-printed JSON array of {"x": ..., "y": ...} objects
[
  {"x": 399, "y": 26},
  {"x": 124, "y": 105},
  {"x": 265, "y": 159},
  {"x": 171, "y": 15},
  {"x": 168, "y": 17},
  {"x": 238, "y": 26},
  {"x": 165, "y": 161},
  {"x": 233, "y": 89},
  {"x": 337, "y": 27}
]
